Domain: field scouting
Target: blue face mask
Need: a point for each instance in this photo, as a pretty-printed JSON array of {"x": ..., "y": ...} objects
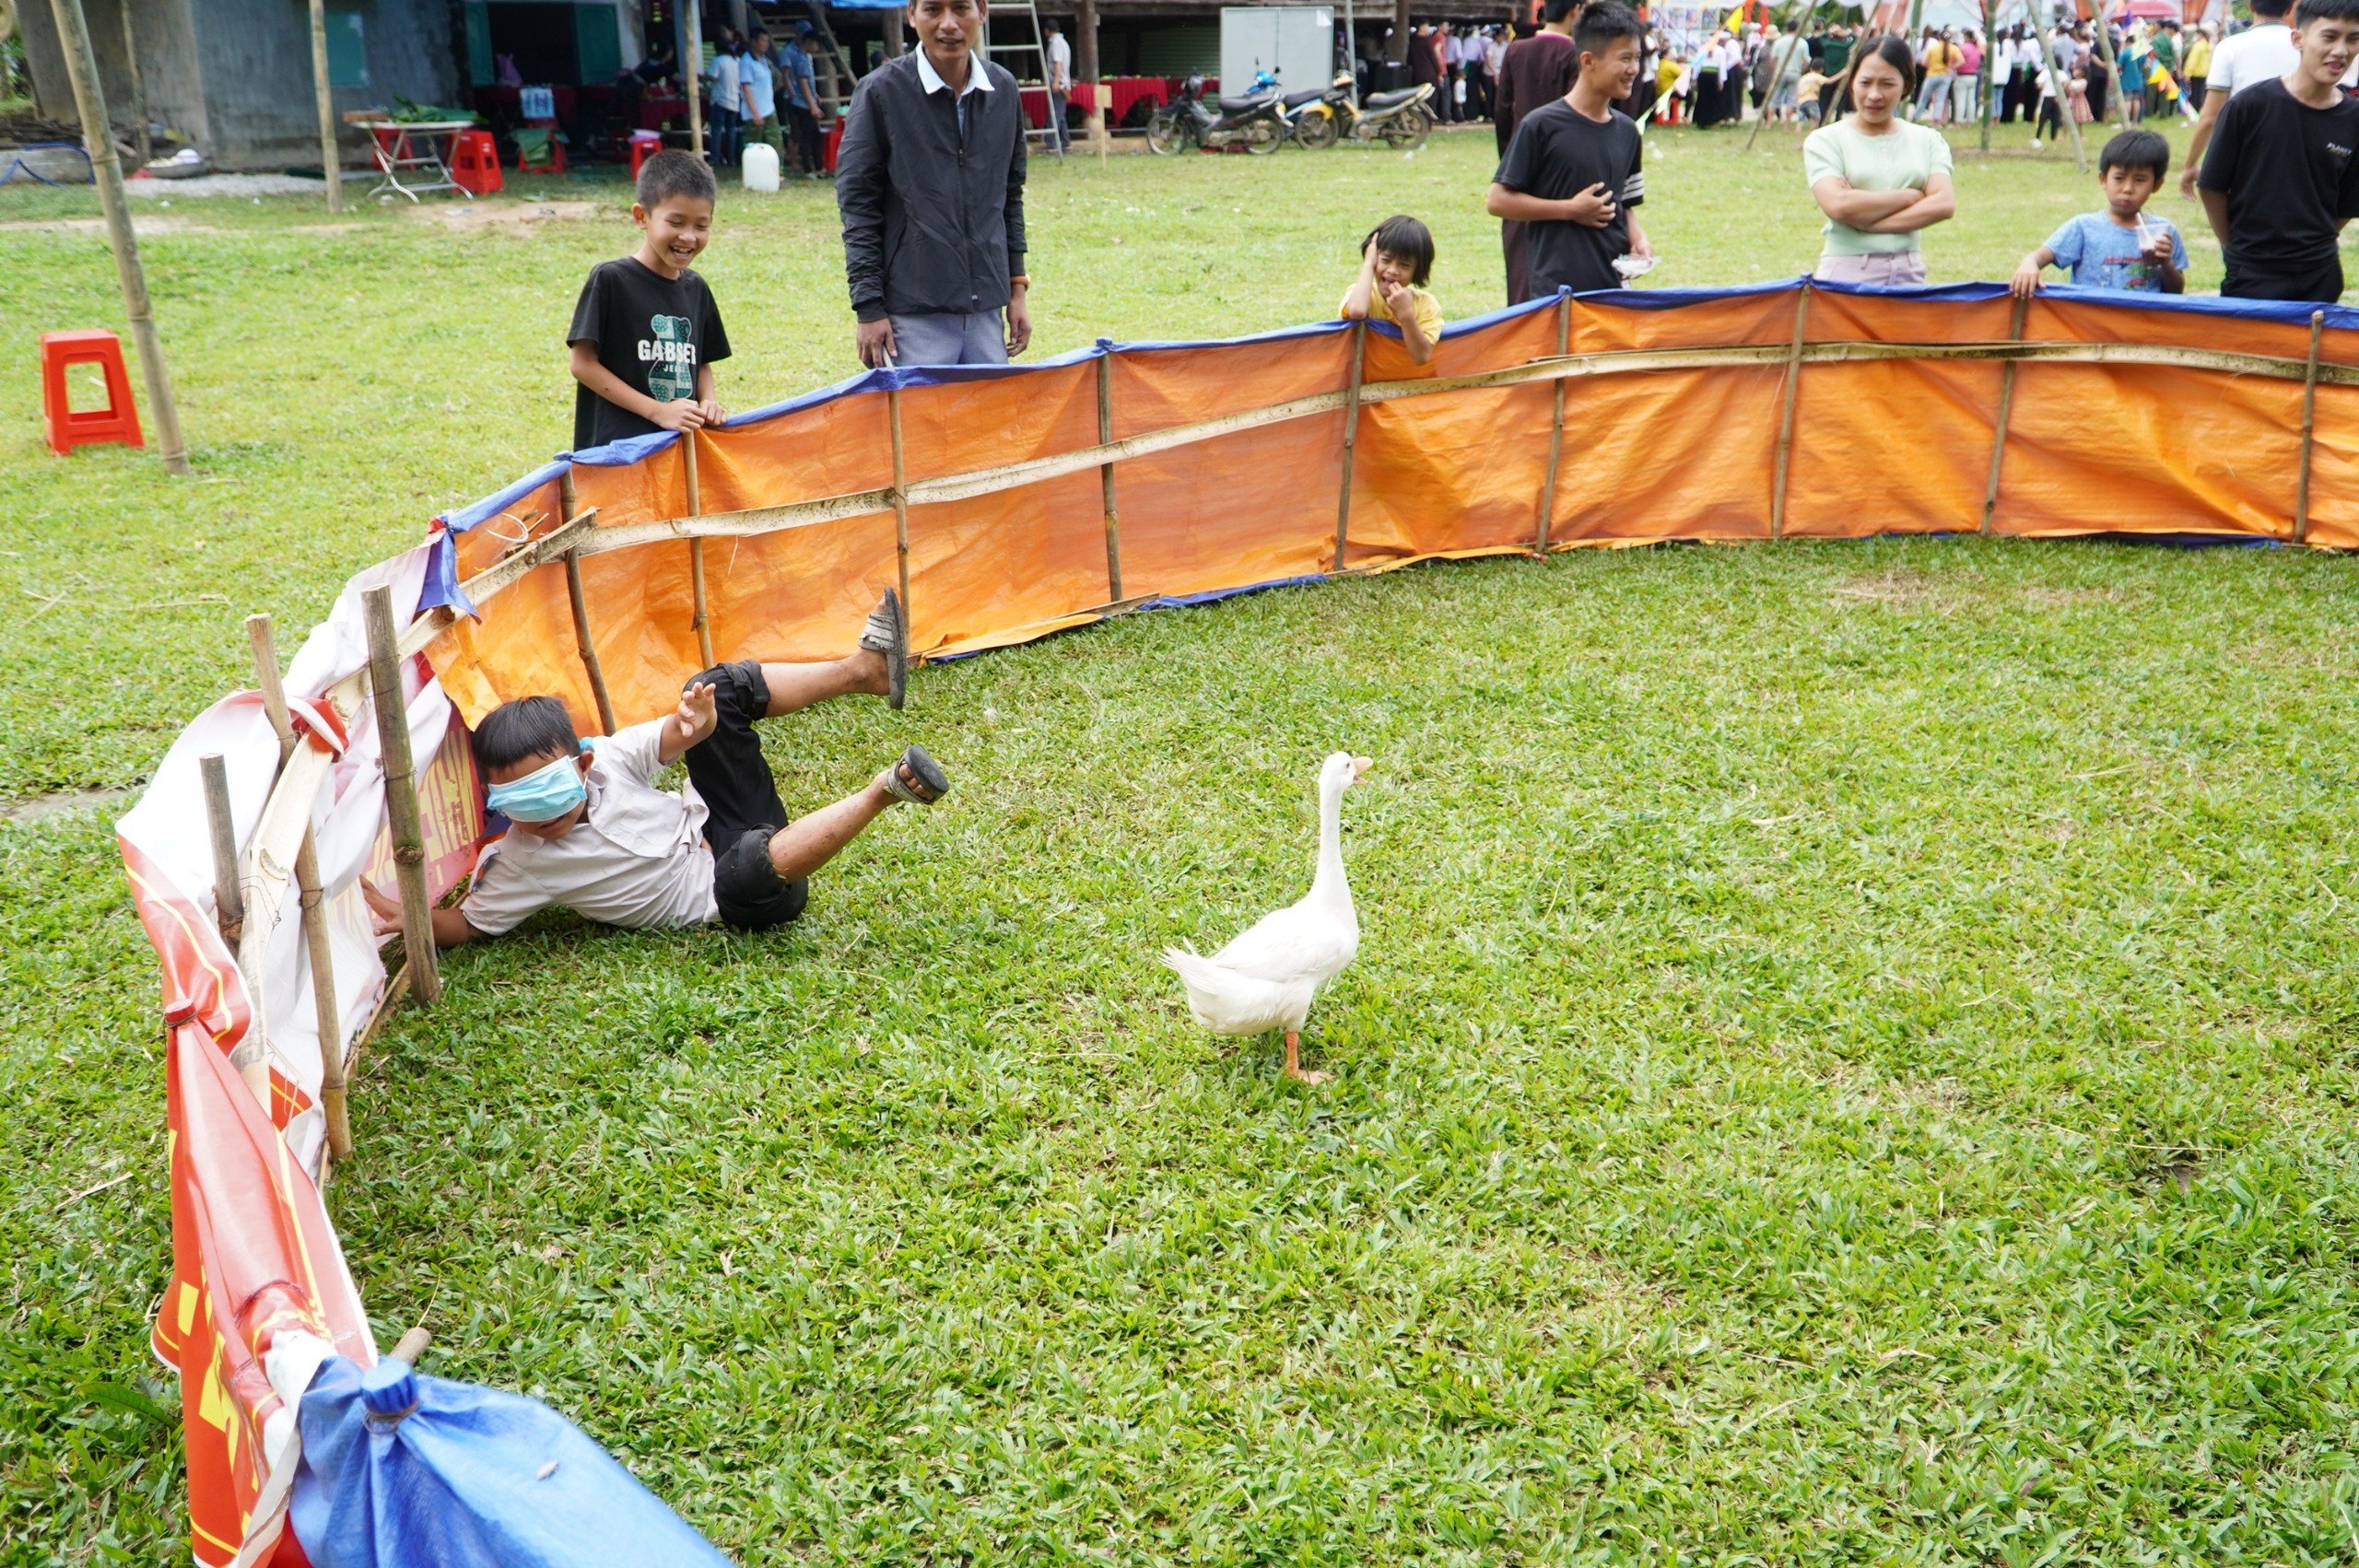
[{"x": 543, "y": 795}]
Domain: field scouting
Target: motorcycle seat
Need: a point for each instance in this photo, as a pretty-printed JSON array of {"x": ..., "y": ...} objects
[
  {"x": 1250, "y": 100},
  {"x": 1297, "y": 99},
  {"x": 1388, "y": 99}
]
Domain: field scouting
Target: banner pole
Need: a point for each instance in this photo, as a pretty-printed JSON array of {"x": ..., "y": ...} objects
[
  {"x": 582, "y": 644},
  {"x": 327, "y": 1015},
  {"x": 2309, "y": 427},
  {"x": 1555, "y": 425},
  {"x": 1106, "y": 471},
  {"x": 1351, "y": 439},
  {"x": 1786, "y": 413},
  {"x": 900, "y": 506},
  {"x": 228, "y": 902},
  {"x": 703, "y": 620},
  {"x": 2006, "y": 411},
  {"x": 401, "y": 797}
]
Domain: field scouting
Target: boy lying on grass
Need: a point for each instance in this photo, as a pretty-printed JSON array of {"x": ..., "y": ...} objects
[{"x": 590, "y": 831}]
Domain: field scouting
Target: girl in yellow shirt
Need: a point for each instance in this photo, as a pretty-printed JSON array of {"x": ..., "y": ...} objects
[{"x": 1395, "y": 261}]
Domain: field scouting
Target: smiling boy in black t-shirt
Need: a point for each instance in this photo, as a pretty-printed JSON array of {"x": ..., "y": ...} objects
[
  {"x": 645, "y": 331},
  {"x": 2279, "y": 180},
  {"x": 1572, "y": 173}
]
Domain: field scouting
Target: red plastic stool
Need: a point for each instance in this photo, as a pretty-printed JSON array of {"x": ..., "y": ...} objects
[
  {"x": 118, "y": 421},
  {"x": 474, "y": 162},
  {"x": 555, "y": 161},
  {"x": 644, "y": 145}
]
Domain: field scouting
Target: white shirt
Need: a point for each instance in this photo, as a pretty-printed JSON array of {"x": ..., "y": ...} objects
[
  {"x": 725, "y": 84},
  {"x": 637, "y": 858},
  {"x": 1059, "y": 63},
  {"x": 2253, "y": 56},
  {"x": 977, "y": 79}
]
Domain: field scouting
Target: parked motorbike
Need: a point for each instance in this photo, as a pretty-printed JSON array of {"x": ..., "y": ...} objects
[
  {"x": 1399, "y": 120},
  {"x": 1254, "y": 121},
  {"x": 1310, "y": 117}
]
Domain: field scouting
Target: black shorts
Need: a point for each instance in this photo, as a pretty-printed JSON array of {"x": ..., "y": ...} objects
[
  {"x": 741, "y": 802},
  {"x": 2321, "y": 285}
]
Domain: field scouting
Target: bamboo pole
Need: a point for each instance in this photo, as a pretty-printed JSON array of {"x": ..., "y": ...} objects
[
  {"x": 2117, "y": 111},
  {"x": 703, "y": 614},
  {"x": 98, "y": 139},
  {"x": 1106, "y": 471},
  {"x": 401, "y": 797},
  {"x": 692, "y": 72},
  {"x": 412, "y": 1344},
  {"x": 325, "y": 94},
  {"x": 1786, "y": 412},
  {"x": 582, "y": 643},
  {"x": 1351, "y": 440},
  {"x": 326, "y": 1014},
  {"x": 900, "y": 505},
  {"x": 2006, "y": 413},
  {"x": 229, "y": 903},
  {"x": 142, "y": 139},
  {"x": 1792, "y": 40},
  {"x": 2043, "y": 27},
  {"x": 2309, "y": 427},
  {"x": 1555, "y": 426}
]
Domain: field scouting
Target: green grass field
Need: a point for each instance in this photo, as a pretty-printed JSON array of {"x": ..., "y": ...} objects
[{"x": 1848, "y": 1059}]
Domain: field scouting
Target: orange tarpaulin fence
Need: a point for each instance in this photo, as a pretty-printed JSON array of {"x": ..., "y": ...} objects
[{"x": 1014, "y": 502}]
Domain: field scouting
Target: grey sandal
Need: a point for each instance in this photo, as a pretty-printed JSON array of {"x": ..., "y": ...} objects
[
  {"x": 917, "y": 778},
  {"x": 888, "y": 633}
]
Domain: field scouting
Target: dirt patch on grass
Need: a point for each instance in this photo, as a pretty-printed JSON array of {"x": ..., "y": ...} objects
[
  {"x": 508, "y": 217},
  {"x": 1898, "y": 591},
  {"x": 33, "y": 808},
  {"x": 1920, "y": 593},
  {"x": 143, "y": 226}
]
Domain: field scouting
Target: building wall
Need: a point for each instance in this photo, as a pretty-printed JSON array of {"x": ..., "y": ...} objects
[{"x": 235, "y": 76}]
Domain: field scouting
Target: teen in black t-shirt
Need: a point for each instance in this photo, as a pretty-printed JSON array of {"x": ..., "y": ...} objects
[
  {"x": 1572, "y": 173},
  {"x": 2280, "y": 180},
  {"x": 646, "y": 331}
]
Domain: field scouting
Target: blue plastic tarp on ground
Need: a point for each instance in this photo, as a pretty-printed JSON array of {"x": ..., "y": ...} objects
[{"x": 403, "y": 1470}]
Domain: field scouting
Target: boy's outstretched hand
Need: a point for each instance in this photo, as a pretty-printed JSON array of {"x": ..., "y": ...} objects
[
  {"x": 691, "y": 721},
  {"x": 2025, "y": 283}
]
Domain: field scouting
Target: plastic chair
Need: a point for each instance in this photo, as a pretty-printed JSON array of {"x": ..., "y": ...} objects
[
  {"x": 539, "y": 150},
  {"x": 474, "y": 162},
  {"x": 118, "y": 421},
  {"x": 644, "y": 145}
]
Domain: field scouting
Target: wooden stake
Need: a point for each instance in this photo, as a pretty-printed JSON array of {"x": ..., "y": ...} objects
[
  {"x": 1786, "y": 413},
  {"x": 581, "y": 643},
  {"x": 98, "y": 139},
  {"x": 691, "y": 73},
  {"x": 2309, "y": 424},
  {"x": 412, "y": 1345},
  {"x": 1556, "y": 427},
  {"x": 2006, "y": 411},
  {"x": 900, "y": 503},
  {"x": 1351, "y": 439},
  {"x": 703, "y": 615},
  {"x": 401, "y": 797},
  {"x": 1793, "y": 41},
  {"x": 229, "y": 903},
  {"x": 327, "y": 1016},
  {"x": 1105, "y": 472},
  {"x": 325, "y": 94}
]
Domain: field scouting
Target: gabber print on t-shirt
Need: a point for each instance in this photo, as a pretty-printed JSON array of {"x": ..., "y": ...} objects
[{"x": 671, "y": 357}]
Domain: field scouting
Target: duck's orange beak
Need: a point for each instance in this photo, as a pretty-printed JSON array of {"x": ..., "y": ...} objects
[{"x": 1360, "y": 764}]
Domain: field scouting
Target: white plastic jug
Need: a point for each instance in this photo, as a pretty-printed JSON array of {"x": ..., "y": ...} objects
[{"x": 760, "y": 167}]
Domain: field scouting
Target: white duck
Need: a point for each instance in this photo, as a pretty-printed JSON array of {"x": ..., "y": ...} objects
[{"x": 1265, "y": 978}]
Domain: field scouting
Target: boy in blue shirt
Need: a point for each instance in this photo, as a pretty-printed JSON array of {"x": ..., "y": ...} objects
[{"x": 2120, "y": 247}]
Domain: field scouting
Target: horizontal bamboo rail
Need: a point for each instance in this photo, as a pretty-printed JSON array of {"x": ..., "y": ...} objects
[{"x": 758, "y": 521}]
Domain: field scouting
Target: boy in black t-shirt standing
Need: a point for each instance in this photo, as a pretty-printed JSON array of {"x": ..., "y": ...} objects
[
  {"x": 2279, "y": 180},
  {"x": 1572, "y": 173},
  {"x": 645, "y": 331}
]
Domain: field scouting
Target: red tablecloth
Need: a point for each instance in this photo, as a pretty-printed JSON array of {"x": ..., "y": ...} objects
[{"x": 1123, "y": 92}]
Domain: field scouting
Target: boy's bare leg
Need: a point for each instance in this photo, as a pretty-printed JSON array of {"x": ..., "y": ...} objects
[
  {"x": 810, "y": 842},
  {"x": 794, "y": 687}
]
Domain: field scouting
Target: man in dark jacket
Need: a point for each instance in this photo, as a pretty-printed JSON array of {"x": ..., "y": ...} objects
[{"x": 930, "y": 185}]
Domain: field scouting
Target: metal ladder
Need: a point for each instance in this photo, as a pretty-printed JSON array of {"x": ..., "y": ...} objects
[
  {"x": 1004, "y": 14},
  {"x": 779, "y": 17}
]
